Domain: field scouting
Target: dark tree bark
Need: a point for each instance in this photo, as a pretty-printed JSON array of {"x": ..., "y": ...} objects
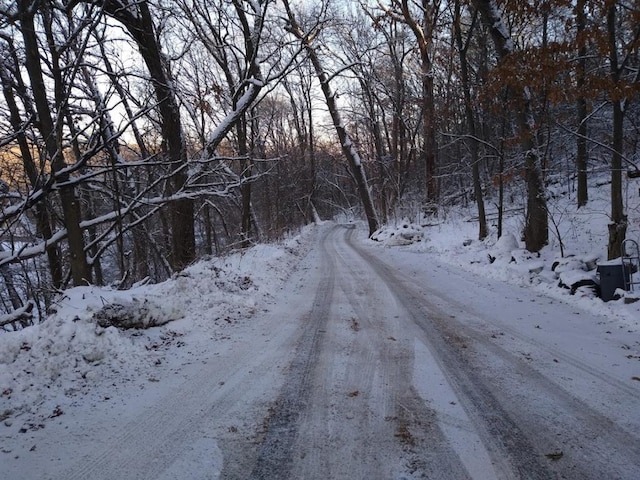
[
  {"x": 581, "y": 106},
  {"x": 618, "y": 225},
  {"x": 245, "y": 176},
  {"x": 536, "y": 230},
  {"x": 471, "y": 122},
  {"x": 52, "y": 134},
  {"x": 142, "y": 29},
  {"x": 43, "y": 218}
]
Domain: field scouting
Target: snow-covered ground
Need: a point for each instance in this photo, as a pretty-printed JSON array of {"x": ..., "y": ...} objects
[
  {"x": 583, "y": 233},
  {"x": 70, "y": 363}
]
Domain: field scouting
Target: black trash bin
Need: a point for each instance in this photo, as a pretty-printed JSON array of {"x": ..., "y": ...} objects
[{"x": 612, "y": 276}]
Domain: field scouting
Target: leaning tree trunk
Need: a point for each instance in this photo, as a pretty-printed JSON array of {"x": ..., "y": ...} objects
[
  {"x": 348, "y": 148},
  {"x": 536, "y": 231},
  {"x": 141, "y": 28}
]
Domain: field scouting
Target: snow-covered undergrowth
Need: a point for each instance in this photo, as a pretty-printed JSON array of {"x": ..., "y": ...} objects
[
  {"x": 565, "y": 269},
  {"x": 53, "y": 364}
]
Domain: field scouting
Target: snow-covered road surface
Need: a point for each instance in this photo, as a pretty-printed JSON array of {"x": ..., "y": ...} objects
[{"x": 374, "y": 364}]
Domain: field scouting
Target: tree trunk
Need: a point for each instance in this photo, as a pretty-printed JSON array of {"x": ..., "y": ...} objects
[
  {"x": 423, "y": 34},
  {"x": 80, "y": 271},
  {"x": 311, "y": 151},
  {"x": 348, "y": 148},
  {"x": 142, "y": 29},
  {"x": 208, "y": 229},
  {"x": 471, "y": 124},
  {"x": 43, "y": 218},
  {"x": 376, "y": 134},
  {"x": 536, "y": 231},
  {"x": 140, "y": 259},
  {"x": 581, "y": 107},
  {"x": 618, "y": 225},
  {"x": 245, "y": 185}
]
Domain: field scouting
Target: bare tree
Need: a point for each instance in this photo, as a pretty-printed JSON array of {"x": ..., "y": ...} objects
[
  {"x": 386, "y": 80},
  {"x": 11, "y": 82},
  {"x": 424, "y": 31},
  {"x": 348, "y": 148},
  {"x": 240, "y": 67},
  {"x": 51, "y": 128},
  {"x": 137, "y": 19},
  {"x": 463, "y": 47},
  {"x": 618, "y": 66}
]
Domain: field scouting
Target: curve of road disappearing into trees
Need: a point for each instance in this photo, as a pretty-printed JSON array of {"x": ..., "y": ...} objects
[{"x": 363, "y": 369}]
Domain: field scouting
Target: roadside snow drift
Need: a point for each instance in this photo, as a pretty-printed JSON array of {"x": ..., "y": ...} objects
[{"x": 97, "y": 337}]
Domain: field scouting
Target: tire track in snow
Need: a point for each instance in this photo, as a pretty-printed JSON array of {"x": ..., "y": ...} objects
[
  {"x": 593, "y": 446},
  {"x": 508, "y": 445},
  {"x": 149, "y": 444},
  {"x": 427, "y": 450},
  {"x": 382, "y": 428},
  {"x": 378, "y": 367},
  {"x": 519, "y": 427},
  {"x": 555, "y": 352},
  {"x": 584, "y": 368},
  {"x": 275, "y": 457}
]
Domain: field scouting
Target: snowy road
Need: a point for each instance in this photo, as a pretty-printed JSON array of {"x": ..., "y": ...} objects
[
  {"x": 394, "y": 379},
  {"x": 376, "y": 364}
]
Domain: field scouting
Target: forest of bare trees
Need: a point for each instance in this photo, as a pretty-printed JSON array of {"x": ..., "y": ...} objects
[{"x": 140, "y": 135}]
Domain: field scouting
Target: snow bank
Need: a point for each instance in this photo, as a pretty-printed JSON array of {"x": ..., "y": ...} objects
[
  {"x": 405, "y": 233},
  {"x": 75, "y": 350},
  {"x": 565, "y": 269}
]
